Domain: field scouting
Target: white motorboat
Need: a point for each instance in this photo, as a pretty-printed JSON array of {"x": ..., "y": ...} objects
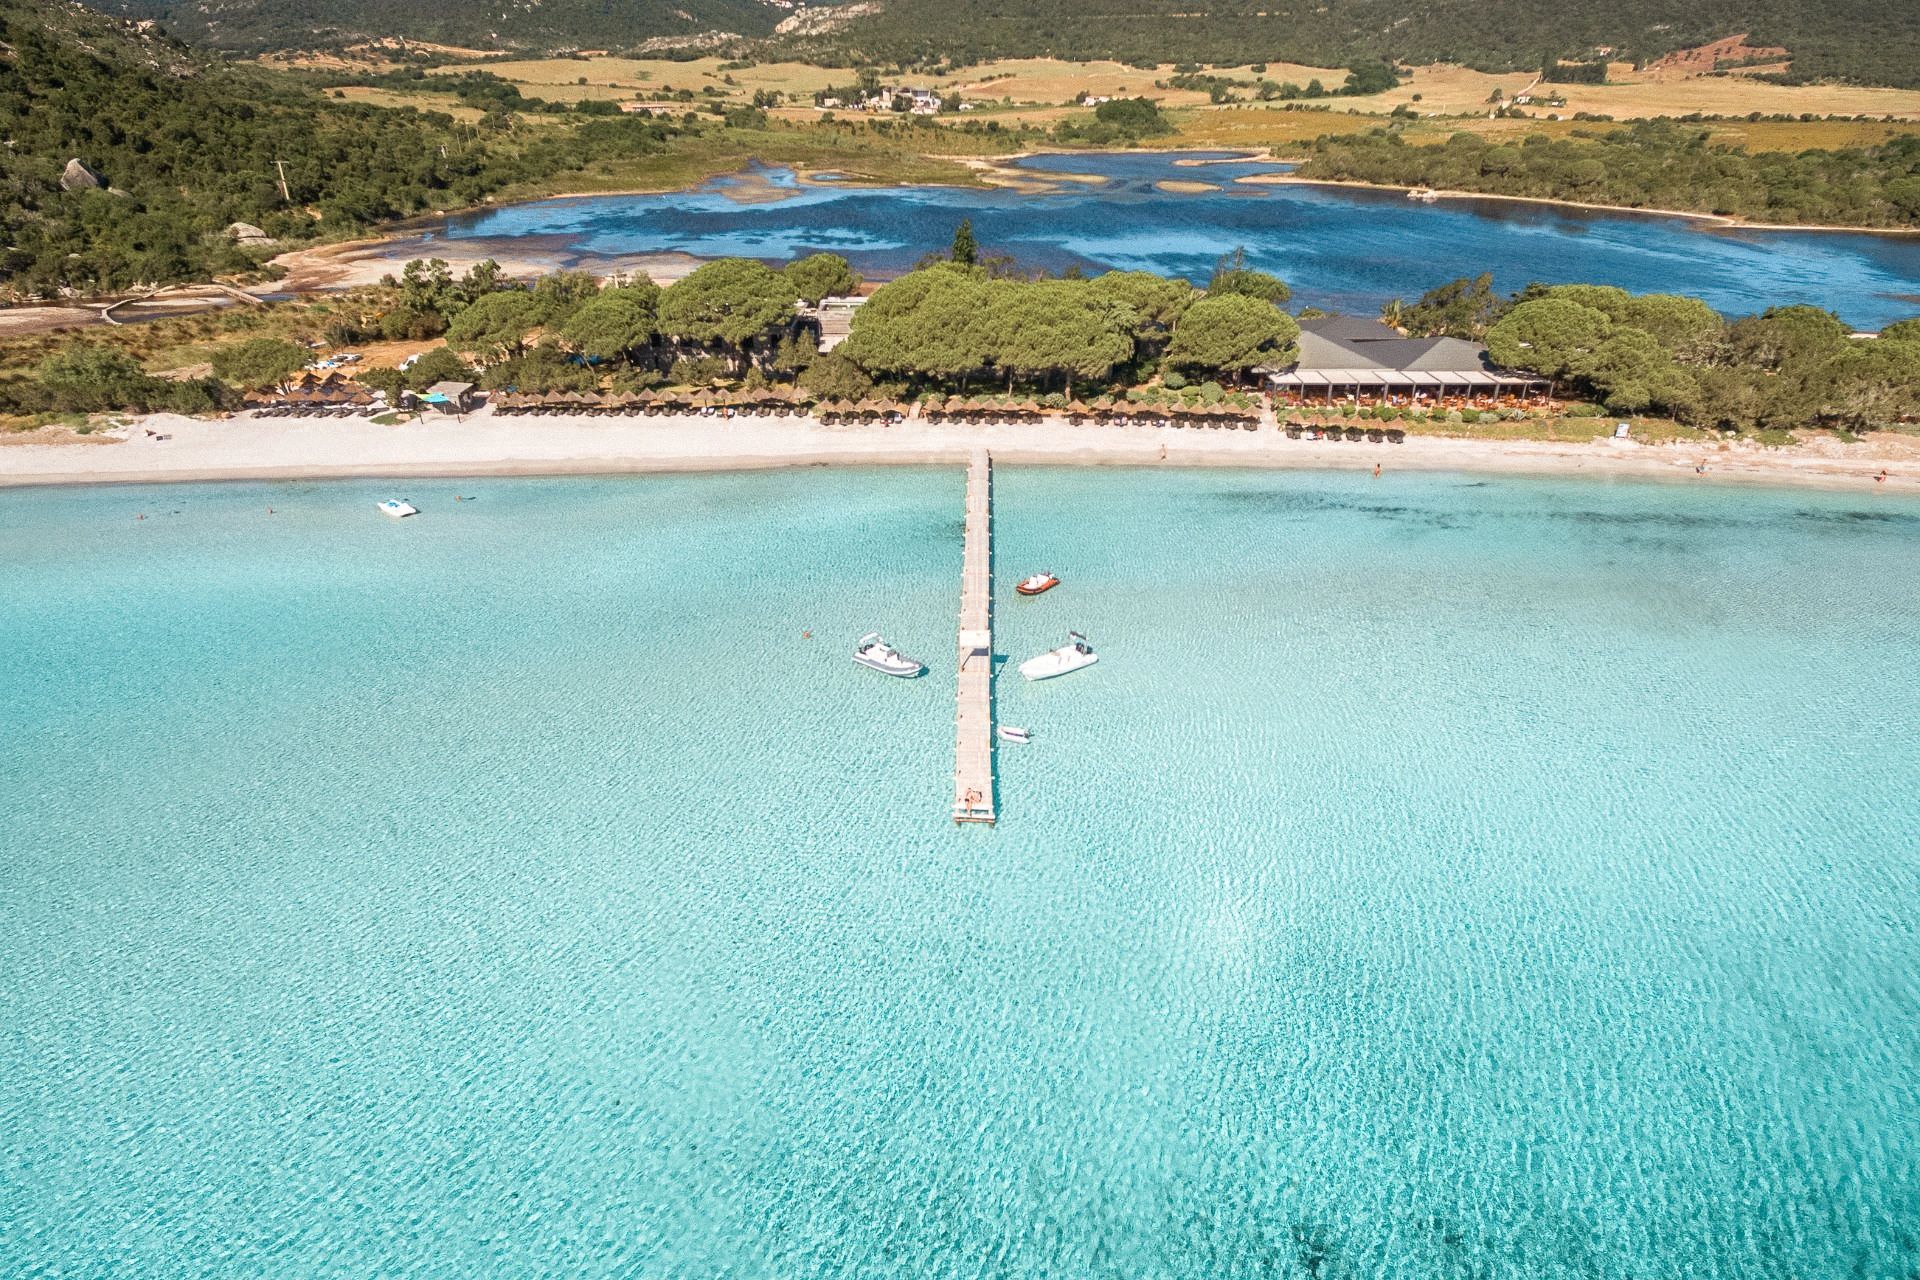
[
  {"x": 1008, "y": 733},
  {"x": 1425, "y": 195},
  {"x": 872, "y": 650},
  {"x": 1071, "y": 656},
  {"x": 397, "y": 509}
]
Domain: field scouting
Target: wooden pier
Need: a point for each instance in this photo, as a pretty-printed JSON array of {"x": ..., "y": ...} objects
[{"x": 973, "y": 719}]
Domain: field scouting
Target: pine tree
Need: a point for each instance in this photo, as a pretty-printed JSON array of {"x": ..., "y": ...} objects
[{"x": 966, "y": 250}]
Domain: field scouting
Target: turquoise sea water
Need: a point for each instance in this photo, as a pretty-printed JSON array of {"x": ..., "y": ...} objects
[{"x": 1436, "y": 877}]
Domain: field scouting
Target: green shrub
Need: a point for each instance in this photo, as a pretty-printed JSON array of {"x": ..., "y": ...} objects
[{"x": 693, "y": 371}]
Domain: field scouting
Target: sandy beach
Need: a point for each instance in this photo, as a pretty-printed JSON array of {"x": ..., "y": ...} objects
[{"x": 484, "y": 444}]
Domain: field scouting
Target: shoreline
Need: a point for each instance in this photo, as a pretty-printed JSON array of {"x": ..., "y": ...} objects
[{"x": 483, "y": 445}]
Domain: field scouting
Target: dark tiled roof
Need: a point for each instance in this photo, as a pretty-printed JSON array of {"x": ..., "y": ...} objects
[
  {"x": 1349, "y": 328},
  {"x": 1342, "y": 342}
]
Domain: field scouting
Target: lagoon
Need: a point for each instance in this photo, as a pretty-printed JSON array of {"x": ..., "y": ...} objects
[
  {"x": 1438, "y": 875},
  {"x": 1342, "y": 248}
]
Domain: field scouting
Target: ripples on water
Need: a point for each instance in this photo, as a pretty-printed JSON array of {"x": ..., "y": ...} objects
[
  {"x": 1341, "y": 248},
  {"x": 1435, "y": 877}
]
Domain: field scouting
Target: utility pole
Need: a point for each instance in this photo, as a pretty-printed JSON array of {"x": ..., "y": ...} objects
[{"x": 285, "y": 195}]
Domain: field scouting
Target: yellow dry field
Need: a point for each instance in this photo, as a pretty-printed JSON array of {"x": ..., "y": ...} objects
[
  {"x": 1267, "y": 127},
  {"x": 1808, "y": 135},
  {"x": 1637, "y": 95},
  {"x": 1023, "y": 82},
  {"x": 1039, "y": 90},
  {"x": 558, "y": 79},
  {"x": 375, "y": 55},
  {"x": 1279, "y": 129},
  {"x": 441, "y": 102},
  {"x": 1046, "y": 81}
]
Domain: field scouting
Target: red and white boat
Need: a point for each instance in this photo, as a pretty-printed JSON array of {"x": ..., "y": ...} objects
[{"x": 1037, "y": 584}]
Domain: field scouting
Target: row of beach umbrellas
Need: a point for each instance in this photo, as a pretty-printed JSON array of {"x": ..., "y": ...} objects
[{"x": 773, "y": 401}]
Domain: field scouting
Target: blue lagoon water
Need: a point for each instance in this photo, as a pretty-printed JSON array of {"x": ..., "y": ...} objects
[
  {"x": 1341, "y": 248},
  {"x": 1436, "y": 877}
]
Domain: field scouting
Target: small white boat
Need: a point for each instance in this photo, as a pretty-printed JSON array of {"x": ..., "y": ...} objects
[
  {"x": 873, "y": 651},
  {"x": 1071, "y": 656},
  {"x": 1425, "y": 195},
  {"x": 397, "y": 509},
  {"x": 1008, "y": 733}
]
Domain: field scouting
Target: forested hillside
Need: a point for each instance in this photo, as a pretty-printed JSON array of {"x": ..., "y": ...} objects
[
  {"x": 1869, "y": 41},
  {"x": 175, "y": 150},
  {"x": 1865, "y": 40},
  {"x": 254, "y": 25},
  {"x": 1647, "y": 166}
]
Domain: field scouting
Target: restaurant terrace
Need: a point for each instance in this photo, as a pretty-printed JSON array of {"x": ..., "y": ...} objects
[{"x": 1365, "y": 361}]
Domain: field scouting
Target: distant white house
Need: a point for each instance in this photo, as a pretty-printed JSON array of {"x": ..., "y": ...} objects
[{"x": 833, "y": 317}]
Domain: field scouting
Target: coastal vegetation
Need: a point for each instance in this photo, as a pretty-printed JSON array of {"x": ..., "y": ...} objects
[
  {"x": 1663, "y": 165},
  {"x": 1674, "y": 357},
  {"x": 959, "y": 327}
]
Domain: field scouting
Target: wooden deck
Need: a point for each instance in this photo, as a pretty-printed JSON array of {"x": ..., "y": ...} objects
[{"x": 973, "y": 799}]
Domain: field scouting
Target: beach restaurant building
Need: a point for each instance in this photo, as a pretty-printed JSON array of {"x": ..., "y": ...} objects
[{"x": 1350, "y": 358}]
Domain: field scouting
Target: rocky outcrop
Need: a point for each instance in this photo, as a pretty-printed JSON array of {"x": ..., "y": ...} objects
[{"x": 78, "y": 177}]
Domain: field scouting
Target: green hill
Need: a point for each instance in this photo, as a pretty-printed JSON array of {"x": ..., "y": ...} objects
[
  {"x": 255, "y": 25},
  {"x": 1862, "y": 40},
  {"x": 172, "y": 149}
]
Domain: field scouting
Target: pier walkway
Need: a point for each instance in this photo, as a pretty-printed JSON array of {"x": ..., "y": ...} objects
[{"x": 973, "y": 720}]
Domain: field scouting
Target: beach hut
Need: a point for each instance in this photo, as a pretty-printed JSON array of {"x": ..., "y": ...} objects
[{"x": 450, "y": 397}]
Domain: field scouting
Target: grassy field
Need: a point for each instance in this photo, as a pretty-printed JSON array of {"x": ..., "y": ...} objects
[
  {"x": 1041, "y": 82},
  {"x": 1633, "y": 95},
  {"x": 1279, "y": 129},
  {"x": 854, "y": 151},
  {"x": 1046, "y": 84},
  {"x": 441, "y": 102}
]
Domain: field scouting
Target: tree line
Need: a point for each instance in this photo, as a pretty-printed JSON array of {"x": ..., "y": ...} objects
[
  {"x": 969, "y": 324},
  {"x": 1658, "y": 165},
  {"x": 1676, "y": 357},
  {"x": 954, "y": 324}
]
